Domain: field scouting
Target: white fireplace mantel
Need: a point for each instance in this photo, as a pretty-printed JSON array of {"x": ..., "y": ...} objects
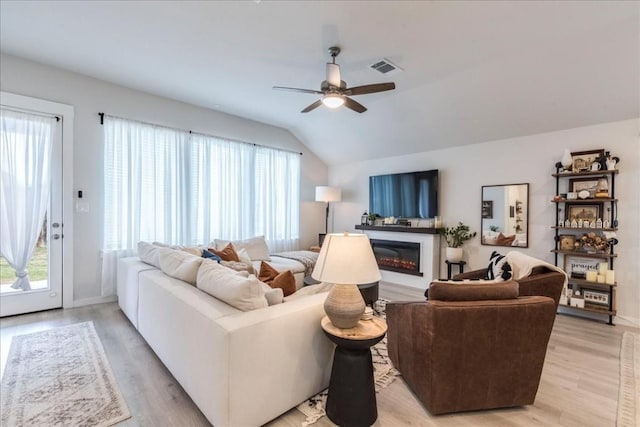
[{"x": 429, "y": 254}]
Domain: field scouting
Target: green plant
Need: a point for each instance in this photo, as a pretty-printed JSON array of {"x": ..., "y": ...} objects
[
  {"x": 494, "y": 228},
  {"x": 372, "y": 217},
  {"x": 456, "y": 236}
]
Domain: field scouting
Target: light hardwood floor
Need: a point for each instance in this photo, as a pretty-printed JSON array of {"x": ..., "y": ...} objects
[{"x": 579, "y": 385}]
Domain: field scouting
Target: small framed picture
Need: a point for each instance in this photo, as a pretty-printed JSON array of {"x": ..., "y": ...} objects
[
  {"x": 578, "y": 184},
  {"x": 584, "y": 212},
  {"x": 487, "y": 209},
  {"x": 582, "y": 160},
  {"x": 567, "y": 242},
  {"x": 577, "y": 267},
  {"x": 596, "y": 297}
]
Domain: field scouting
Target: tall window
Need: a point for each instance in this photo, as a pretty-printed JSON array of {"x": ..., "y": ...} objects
[{"x": 172, "y": 186}]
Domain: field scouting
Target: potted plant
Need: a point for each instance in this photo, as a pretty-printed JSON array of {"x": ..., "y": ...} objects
[
  {"x": 455, "y": 238},
  {"x": 371, "y": 219}
]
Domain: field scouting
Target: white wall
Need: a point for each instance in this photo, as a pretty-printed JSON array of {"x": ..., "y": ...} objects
[
  {"x": 528, "y": 159},
  {"x": 89, "y": 97}
]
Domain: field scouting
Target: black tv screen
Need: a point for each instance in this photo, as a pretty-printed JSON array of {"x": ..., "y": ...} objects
[{"x": 404, "y": 195}]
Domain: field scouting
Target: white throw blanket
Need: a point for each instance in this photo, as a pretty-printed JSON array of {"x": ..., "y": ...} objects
[{"x": 522, "y": 265}]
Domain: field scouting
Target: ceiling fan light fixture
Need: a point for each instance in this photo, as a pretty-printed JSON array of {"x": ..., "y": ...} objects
[{"x": 333, "y": 100}]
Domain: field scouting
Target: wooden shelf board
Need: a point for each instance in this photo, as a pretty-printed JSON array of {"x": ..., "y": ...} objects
[
  {"x": 594, "y": 285},
  {"x": 590, "y": 173},
  {"x": 586, "y": 201},
  {"x": 590, "y": 309},
  {"x": 398, "y": 228},
  {"x": 584, "y": 254},
  {"x": 583, "y": 228}
]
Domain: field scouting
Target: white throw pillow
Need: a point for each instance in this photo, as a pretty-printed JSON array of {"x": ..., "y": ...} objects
[
  {"x": 181, "y": 265},
  {"x": 150, "y": 254},
  {"x": 273, "y": 295},
  {"x": 309, "y": 290},
  {"x": 243, "y": 256},
  {"x": 256, "y": 247},
  {"x": 243, "y": 293}
]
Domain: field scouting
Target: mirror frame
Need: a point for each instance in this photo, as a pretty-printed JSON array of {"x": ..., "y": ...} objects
[{"x": 488, "y": 209}]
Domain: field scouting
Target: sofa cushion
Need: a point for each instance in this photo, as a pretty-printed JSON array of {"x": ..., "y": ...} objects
[
  {"x": 227, "y": 253},
  {"x": 150, "y": 254},
  {"x": 243, "y": 293},
  {"x": 180, "y": 265},
  {"x": 256, "y": 247},
  {"x": 283, "y": 280},
  {"x": 452, "y": 291},
  {"x": 239, "y": 266}
]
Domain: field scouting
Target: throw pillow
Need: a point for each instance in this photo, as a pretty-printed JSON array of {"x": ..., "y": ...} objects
[
  {"x": 243, "y": 256},
  {"x": 272, "y": 277},
  {"x": 284, "y": 281},
  {"x": 228, "y": 253},
  {"x": 180, "y": 265},
  {"x": 267, "y": 273},
  {"x": 210, "y": 255},
  {"x": 498, "y": 269},
  {"x": 150, "y": 254},
  {"x": 256, "y": 247},
  {"x": 243, "y": 293},
  {"x": 273, "y": 295},
  {"x": 503, "y": 240}
]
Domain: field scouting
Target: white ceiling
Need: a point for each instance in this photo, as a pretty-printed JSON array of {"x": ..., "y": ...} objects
[{"x": 473, "y": 71}]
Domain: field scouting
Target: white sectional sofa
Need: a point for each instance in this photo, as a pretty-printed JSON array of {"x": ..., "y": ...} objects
[{"x": 241, "y": 368}]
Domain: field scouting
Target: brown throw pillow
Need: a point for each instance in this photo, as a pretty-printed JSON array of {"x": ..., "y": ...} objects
[
  {"x": 503, "y": 240},
  {"x": 286, "y": 282},
  {"x": 267, "y": 273},
  {"x": 227, "y": 254},
  {"x": 275, "y": 279}
]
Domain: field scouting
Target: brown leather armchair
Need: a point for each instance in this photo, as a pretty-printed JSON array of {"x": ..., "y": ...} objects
[
  {"x": 471, "y": 347},
  {"x": 541, "y": 281}
]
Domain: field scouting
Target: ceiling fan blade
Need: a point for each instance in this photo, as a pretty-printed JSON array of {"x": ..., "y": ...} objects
[
  {"x": 294, "y": 89},
  {"x": 354, "y": 105},
  {"x": 333, "y": 74},
  {"x": 363, "y": 90},
  {"x": 312, "y": 106}
]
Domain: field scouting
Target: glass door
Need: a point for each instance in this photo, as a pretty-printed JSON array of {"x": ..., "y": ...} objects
[{"x": 30, "y": 212}]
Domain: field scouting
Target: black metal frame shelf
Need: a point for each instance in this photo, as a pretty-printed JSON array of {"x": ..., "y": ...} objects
[{"x": 609, "y": 310}]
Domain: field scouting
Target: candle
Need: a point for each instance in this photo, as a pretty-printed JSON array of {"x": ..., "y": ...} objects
[
  {"x": 604, "y": 266},
  {"x": 592, "y": 275},
  {"x": 601, "y": 278},
  {"x": 610, "y": 278}
]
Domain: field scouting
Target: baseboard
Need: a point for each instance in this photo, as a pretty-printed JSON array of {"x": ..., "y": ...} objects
[
  {"x": 95, "y": 300},
  {"x": 627, "y": 321}
]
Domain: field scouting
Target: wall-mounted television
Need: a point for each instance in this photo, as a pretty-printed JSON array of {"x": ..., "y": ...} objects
[{"x": 404, "y": 195}]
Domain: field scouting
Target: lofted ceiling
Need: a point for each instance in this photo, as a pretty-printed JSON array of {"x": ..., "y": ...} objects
[{"x": 474, "y": 71}]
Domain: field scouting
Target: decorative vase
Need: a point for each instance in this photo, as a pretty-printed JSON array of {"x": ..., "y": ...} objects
[
  {"x": 344, "y": 306},
  {"x": 566, "y": 160},
  {"x": 454, "y": 254}
]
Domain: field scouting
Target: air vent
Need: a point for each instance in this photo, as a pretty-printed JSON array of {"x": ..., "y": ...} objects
[{"x": 386, "y": 67}]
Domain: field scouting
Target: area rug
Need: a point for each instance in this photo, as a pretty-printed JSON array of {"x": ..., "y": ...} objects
[
  {"x": 60, "y": 377},
  {"x": 629, "y": 394},
  {"x": 383, "y": 374}
]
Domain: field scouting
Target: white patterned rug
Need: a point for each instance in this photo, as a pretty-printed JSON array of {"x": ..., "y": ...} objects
[
  {"x": 629, "y": 394},
  {"x": 60, "y": 377},
  {"x": 383, "y": 374}
]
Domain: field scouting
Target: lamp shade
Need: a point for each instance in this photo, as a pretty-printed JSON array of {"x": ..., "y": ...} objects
[
  {"x": 346, "y": 259},
  {"x": 328, "y": 194}
]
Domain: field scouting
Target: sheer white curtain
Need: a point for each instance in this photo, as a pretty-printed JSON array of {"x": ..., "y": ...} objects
[
  {"x": 145, "y": 190},
  {"x": 25, "y": 181},
  {"x": 172, "y": 186}
]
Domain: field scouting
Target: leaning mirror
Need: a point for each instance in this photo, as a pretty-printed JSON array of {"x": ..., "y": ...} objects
[{"x": 505, "y": 215}]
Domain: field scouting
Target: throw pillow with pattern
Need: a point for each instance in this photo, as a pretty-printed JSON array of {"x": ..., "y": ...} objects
[{"x": 498, "y": 269}]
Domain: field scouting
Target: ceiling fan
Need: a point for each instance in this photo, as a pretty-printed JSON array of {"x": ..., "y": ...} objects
[{"x": 335, "y": 92}]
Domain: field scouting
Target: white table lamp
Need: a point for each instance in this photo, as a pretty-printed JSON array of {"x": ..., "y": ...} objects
[{"x": 346, "y": 260}]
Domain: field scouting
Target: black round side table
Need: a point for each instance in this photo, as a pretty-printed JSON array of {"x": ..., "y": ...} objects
[{"x": 351, "y": 401}]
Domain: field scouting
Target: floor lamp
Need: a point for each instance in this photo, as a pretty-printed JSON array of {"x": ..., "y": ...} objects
[{"x": 327, "y": 195}]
